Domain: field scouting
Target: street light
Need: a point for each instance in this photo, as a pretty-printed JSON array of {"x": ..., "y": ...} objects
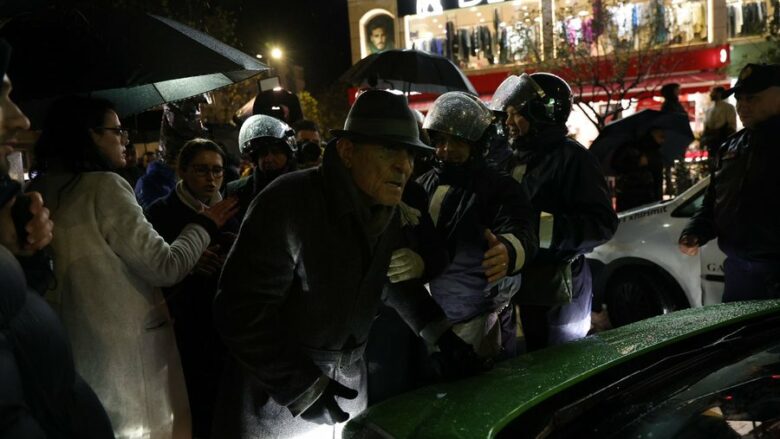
[{"x": 276, "y": 53}]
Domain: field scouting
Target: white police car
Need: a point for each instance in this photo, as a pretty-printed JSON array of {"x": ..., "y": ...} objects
[{"x": 641, "y": 272}]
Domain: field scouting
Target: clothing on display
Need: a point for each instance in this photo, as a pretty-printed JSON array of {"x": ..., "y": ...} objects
[
  {"x": 750, "y": 18},
  {"x": 480, "y": 45},
  {"x": 638, "y": 23}
]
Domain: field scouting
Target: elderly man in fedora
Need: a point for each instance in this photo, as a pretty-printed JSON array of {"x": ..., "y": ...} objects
[{"x": 305, "y": 277}]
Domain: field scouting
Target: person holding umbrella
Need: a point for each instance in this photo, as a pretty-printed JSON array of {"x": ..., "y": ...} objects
[
  {"x": 564, "y": 180},
  {"x": 639, "y": 168},
  {"x": 109, "y": 265},
  {"x": 741, "y": 207}
]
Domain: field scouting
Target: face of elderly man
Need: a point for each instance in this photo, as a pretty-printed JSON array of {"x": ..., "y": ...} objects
[
  {"x": 754, "y": 108},
  {"x": 379, "y": 171}
]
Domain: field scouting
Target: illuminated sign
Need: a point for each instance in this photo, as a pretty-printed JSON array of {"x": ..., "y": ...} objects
[{"x": 423, "y": 7}]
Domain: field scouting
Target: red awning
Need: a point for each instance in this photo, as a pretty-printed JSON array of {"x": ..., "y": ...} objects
[
  {"x": 689, "y": 83},
  {"x": 695, "y": 69}
]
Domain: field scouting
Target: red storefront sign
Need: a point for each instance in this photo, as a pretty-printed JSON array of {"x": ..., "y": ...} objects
[{"x": 696, "y": 70}]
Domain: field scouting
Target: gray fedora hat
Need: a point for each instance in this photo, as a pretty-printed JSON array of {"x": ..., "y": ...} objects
[{"x": 379, "y": 116}]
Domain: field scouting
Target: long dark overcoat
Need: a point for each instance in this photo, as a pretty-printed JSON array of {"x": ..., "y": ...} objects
[{"x": 297, "y": 297}]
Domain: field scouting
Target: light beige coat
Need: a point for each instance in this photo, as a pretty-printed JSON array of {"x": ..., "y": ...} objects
[{"x": 109, "y": 262}]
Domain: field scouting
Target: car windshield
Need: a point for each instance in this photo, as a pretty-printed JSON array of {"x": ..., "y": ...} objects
[
  {"x": 739, "y": 400},
  {"x": 729, "y": 388}
]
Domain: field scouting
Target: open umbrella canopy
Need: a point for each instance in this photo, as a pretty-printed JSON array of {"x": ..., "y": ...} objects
[
  {"x": 676, "y": 128},
  {"x": 137, "y": 60},
  {"x": 408, "y": 70}
]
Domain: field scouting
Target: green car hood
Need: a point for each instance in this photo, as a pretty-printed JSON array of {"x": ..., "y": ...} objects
[{"x": 481, "y": 406}]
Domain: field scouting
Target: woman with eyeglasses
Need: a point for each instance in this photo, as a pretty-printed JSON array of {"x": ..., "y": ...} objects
[
  {"x": 109, "y": 263},
  {"x": 200, "y": 167}
]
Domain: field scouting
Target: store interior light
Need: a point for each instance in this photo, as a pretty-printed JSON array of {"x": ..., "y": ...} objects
[
  {"x": 435, "y": 20},
  {"x": 479, "y": 14},
  {"x": 473, "y": 8},
  {"x": 481, "y": 20}
]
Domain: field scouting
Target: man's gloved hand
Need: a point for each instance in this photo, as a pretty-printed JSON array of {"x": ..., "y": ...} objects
[
  {"x": 325, "y": 410},
  {"x": 456, "y": 359},
  {"x": 405, "y": 264}
]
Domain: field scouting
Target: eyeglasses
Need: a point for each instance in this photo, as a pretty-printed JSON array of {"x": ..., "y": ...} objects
[
  {"x": 204, "y": 170},
  {"x": 119, "y": 130}
]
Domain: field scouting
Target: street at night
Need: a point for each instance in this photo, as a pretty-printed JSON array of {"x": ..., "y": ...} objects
[{"x": 386, "y": 219}]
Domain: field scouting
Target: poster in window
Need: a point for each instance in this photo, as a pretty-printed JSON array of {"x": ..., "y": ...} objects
[{"x": 380, "y": 33}]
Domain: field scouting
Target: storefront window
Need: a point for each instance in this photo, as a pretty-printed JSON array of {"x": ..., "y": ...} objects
[
  {"x": 598, "y": 26},
  {"x": 481, "y": 36},
  {"x": 753, "y": 18}
]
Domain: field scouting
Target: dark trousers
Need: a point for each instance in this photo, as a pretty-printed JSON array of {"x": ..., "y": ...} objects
[
  {"x": 508, "y": 323},
  {"x": 750, "y": 280},
  {"x": 201, "y": 351},
  {"x": 551, "y": 325}
]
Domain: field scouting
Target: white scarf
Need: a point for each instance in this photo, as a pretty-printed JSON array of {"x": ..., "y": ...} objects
[{"x": 193, "y": 203}]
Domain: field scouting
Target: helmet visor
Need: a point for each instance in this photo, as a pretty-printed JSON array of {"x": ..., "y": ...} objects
[{"x": 515, "y": 91}]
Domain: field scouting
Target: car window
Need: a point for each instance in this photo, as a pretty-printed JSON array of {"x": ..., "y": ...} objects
[
  {"x": 720, "y": 390},
  {"x": 734, "y": 400},
  {"x": 689, "y": 207}
]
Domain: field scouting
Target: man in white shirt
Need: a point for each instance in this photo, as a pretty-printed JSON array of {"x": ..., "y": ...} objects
[{"x": 720, "y": 121}]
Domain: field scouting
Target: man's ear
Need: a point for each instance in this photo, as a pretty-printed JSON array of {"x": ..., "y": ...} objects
[{"x": 345, "y": 148}]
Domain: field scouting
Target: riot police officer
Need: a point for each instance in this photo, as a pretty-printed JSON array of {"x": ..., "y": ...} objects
[
  {"x": 564, "y": 180},
  {"x": 270, "y": 144},
  {"x": 485, "y": 219}
]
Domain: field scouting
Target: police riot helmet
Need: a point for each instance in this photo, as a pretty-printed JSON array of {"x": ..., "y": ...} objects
[
  {"x": 459, "y": 114},
  {"x": 263, "y": 130},
  {"x": 542, "y": 98}
]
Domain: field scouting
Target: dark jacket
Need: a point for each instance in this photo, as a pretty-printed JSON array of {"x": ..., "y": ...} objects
[
  {"x": 303, "y": 283},
  {"x": 673, "y": 106},
  {"x": 741, "y": 207},
  {"x": 158, "y": 182},
  {"x": 564, "y": 179},
  {"x": 190, "y": 304},
  {"x": 42, "y": 395},
  {"x": 247, "y": 188},
  {"x": 423, "y": 238},
  {"x": 638, "y": 184},
  {"x": 477, "y": 197}
]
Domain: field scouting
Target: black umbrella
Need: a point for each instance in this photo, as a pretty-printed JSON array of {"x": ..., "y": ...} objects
[
  {"x": 136, "y": 60},
  {"x": 676, "y": 128},
  {"x": 408, "y": 70}
]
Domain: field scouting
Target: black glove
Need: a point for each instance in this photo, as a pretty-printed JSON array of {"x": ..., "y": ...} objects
[
  {"x": 456, "y": 359},
  {"x": 325, "y": 410}
]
